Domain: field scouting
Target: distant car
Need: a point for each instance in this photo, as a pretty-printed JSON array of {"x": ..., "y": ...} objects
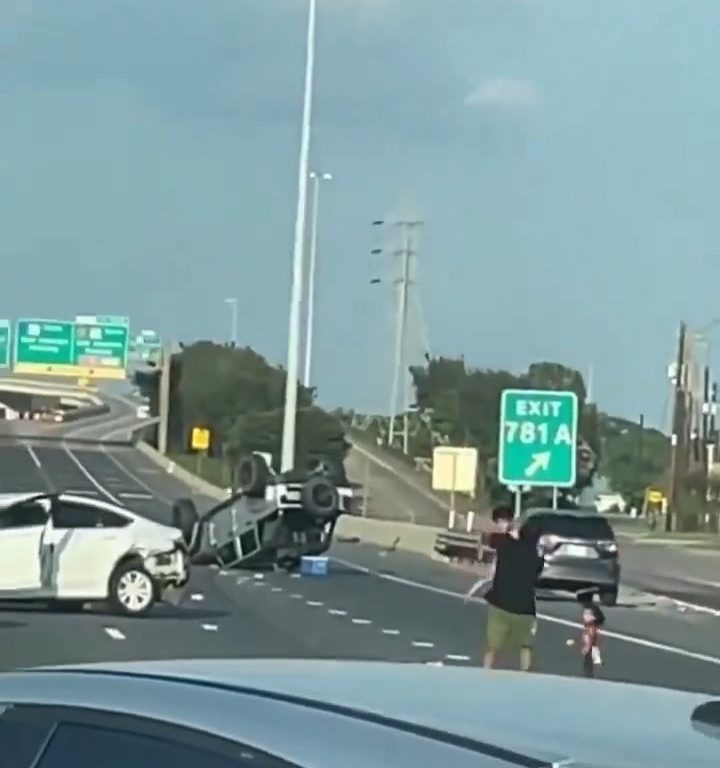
[
  {"x": 579, "y": 548},
  {"x": 72, "y": 550},
  {"x": 263, "y": 713},
  {"x": 274, "y": 519}
]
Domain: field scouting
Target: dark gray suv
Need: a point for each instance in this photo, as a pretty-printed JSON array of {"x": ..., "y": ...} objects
[{"x": 579, "y": 549}]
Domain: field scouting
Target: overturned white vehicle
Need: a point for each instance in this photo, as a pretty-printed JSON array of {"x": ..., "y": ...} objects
[
  {"x": 70, "y": 550},
  {"x": 273, "y": 520}
]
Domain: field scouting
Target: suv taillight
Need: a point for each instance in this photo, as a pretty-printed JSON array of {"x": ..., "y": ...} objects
[
  {"x": 548, "y": 543},
  {"x": 607, "y": 547}
]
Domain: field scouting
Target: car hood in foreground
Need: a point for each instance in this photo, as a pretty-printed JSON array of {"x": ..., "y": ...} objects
[{"x": 590, "y": 722}]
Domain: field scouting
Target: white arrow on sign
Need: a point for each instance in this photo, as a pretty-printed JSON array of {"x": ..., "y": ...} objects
[{"x": 540, "y": 461}]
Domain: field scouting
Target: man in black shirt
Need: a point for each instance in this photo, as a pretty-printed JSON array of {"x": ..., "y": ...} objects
[{"x": 511, "y": 620}]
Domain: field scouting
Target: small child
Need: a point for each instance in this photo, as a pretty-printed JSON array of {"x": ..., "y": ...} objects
[{"x": 592, "y": 618}]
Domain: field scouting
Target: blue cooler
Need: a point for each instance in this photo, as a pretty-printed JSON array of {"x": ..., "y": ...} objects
[{"x": 313, "y": 566}]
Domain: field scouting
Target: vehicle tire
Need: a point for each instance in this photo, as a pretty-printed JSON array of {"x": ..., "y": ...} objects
[
  {"x": 253, "y": 475},
  {"x": 609, "y": 597},
  {"x": 132, "y": 590},
  {"x": 186, "y": 518},
  {"x": 289, "y": 564},
  {"x": 320, "y": 498}
]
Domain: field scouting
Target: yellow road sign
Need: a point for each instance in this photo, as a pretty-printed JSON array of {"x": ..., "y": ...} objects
[{"x": 200, "y": 439}]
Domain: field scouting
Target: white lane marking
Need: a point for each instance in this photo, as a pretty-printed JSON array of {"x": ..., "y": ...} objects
[
  {"x": 296, "y": 597},
  {"x": 197, "y": 597},
  {"x": 361, "y": 621},
  {"x": 276, "y": 589},
  {"x": 336, "y": 612},
  {"x": 314, "y": 602},
  {"x": 137, "y": 496},
  {"x": 295, "y": 575},
  {"x": 210, "y": 627},
  {"x": 135, "y": 477},
  {"x": 259, "y": 583},
  {"x": 434, "y": 664},
  {"x": 33, "y": 456},
  {"x": 116, "y": 634},
  {"x": 692, "y": 606},
  {"x": 391, "y": 631},
  {"x": 83, "y": 493},
  {"x": 641, "y": 641},
  {"x": 243, "y": 579},
  {"x": 90, "y": 477},
  {"x": 423, "y": 644},
  {"x": 456, "y": 657},
  {"x": 258, "y": 576}
]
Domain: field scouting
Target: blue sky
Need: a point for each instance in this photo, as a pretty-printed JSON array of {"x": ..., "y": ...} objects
[{"x": 562, "y": 153}]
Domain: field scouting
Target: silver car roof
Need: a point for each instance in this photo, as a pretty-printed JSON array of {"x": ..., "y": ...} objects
[{"x": 302, "y": 710}]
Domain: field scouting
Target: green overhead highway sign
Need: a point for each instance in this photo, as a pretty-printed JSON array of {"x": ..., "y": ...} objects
[
  {"x": 102, "y": 320},
  {"x": 4, "y": 343},
  {"x": 58, "y": 348},
  {"x": 538, "y": 438}
]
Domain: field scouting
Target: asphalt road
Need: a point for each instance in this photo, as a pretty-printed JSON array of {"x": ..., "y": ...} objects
[
  {"x": 690, "y": 576},
  {"x": 396, "y": 607}
]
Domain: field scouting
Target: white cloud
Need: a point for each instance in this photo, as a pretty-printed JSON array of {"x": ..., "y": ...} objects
[{"x": 503, "y": 93}]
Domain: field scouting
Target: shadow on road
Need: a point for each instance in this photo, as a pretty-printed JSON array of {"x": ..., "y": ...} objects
[{"x": 98, "y": 609}]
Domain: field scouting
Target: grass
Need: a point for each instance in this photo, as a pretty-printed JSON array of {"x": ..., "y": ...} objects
[{"x": 212, "y": 470}]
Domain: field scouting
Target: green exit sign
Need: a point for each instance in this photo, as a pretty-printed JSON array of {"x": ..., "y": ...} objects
[
  {"x": 538, "y": 438},
  {"x": 4, "y": 343}
]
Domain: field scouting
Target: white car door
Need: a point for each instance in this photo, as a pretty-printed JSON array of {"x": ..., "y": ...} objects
[
  {"x": 88, "y": 541},
  {"x": 22, "y": 549}
]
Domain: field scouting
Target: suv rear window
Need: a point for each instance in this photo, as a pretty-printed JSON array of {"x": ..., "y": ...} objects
[{"x": 570, "y": 526}]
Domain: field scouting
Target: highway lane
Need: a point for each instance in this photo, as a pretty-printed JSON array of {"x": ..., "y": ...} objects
[
  {"x": 221, "y": 619},
  {"x": 396, "y": 607}
]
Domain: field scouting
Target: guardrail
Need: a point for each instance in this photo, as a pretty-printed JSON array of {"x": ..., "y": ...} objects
[
  {"x": 463, "y": 546},
  {"x": 85, "y": 413}
]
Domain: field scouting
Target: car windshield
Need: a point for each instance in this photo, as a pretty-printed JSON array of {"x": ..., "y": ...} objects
[{"x": 307, "y": 306}]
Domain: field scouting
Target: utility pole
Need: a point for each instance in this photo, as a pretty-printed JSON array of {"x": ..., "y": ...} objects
[
  {"x": 164, "y": 399},
  {"x": 678, "y": 439},
  {"x": 233, "y": 304},
  {"x": 406, "y": 252}
]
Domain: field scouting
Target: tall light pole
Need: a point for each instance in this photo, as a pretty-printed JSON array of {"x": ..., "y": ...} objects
[
  {"x": 233, "y": 304},
  {"x": 287, "y": 458},
  {"x": 316, "y": 179}
]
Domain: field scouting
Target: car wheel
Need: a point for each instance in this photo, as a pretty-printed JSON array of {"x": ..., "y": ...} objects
[
  {"x": 186, "y": 519},
  {"x": 253, "y": 474},
  {"x": 609, "y": 597},
  {"x": 132, "y": 589},
  {"x": 289, "y": 564},
  {"x": 320, "y": 498}
]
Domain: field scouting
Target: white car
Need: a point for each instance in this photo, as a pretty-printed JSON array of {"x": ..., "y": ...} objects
[{"x": 73, "y": 550}]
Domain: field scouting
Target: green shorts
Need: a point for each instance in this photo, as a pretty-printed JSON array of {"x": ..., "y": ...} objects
[{"x": 509, "y": 630}]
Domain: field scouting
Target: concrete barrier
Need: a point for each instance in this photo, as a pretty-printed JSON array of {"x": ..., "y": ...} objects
[
  {"x": 189, "y": 478},
  {"x": 387, "y": 533},
  {"x": 85, "y": 413}
]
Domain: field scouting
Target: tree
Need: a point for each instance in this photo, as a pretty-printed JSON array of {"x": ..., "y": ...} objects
[
  {"x": 464, "y": 404},
  {"x": 633, "y": 458},
  {"x": 239, "y": 396}
]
